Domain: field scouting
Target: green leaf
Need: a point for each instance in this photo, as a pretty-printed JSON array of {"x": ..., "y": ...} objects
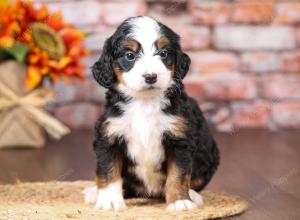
[
  {"x": 17, "y": 52},
  {"x": 88, "y": 33}
]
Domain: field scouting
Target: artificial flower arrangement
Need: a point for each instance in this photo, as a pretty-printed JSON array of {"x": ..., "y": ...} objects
[
  {"x": 35, "y": 46},
  {"x": 49, "y": 47}
]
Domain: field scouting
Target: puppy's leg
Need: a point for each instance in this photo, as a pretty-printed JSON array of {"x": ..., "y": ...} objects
[
  {"x": 109, "y": 181},
  {"x": 109, "y": 191},
  {"x": 177, "y": 189},
  {"x": 179, "y": 169}
]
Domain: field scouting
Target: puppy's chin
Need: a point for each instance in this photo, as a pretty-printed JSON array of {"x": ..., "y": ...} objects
[{"x": 145, "y": 92}]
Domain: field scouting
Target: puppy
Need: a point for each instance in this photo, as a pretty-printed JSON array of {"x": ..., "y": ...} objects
[{"x": 152, "y": 139}]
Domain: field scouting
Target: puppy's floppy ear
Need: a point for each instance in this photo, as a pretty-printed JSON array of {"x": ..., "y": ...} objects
[
  {"x": 102, "y": 69},
  {"x": 182, "y": 64}
]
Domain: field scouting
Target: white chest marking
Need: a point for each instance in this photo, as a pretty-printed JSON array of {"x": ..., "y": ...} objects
[{"x": 143, "y": 124}]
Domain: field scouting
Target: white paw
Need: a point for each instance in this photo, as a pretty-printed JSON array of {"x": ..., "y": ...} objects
[
  {"x": 106, "y": 203},
  {"x": 196, "y": 197},
  {"x": 111, "y": 197},
  {"x": 181, "y": 205},
  {"x": 90, "y": 194}
]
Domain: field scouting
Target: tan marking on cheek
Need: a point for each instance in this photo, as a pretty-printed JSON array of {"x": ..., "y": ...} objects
[
  {"x": 162, "y": 42},
  {"x": 118, "y": 72},
  {"x": 132, "y": 45},
  {"x": 178, "y": 127},
  {"x": 177, "y": 186},
  {"x": 113, "y": 175}
]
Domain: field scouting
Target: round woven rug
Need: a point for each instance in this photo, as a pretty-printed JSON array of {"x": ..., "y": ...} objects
[{"x": 64, "y": 200}]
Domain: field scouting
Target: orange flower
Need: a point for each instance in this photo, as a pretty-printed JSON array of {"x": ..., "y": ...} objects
[
  {"x": 15, "y": 22},
  {"x": 61, "y": 64},
  {"x": 41, "y": 13},
  {"x": 7, "y": 41},
  {"x": 55, "y": 21},
  {"x": 34, "y": 77},
  {"x": 72, "y": 36}
]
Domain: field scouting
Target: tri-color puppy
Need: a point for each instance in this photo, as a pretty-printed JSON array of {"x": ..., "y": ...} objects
[{"x": 152, "y": 139}]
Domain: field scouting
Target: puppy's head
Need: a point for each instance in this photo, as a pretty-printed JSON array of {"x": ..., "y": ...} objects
[{"x": 142, "y": 58}]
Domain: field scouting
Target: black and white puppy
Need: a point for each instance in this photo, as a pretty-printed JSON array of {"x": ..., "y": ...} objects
[{"x": 152, "y": 139}]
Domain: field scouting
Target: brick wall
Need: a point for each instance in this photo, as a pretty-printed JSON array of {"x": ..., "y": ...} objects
[{"x": 245, "y": 68}]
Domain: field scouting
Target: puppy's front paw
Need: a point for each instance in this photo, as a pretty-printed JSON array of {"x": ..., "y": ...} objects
[
  {"x": 90, "y": 195},
  {"x": 196, "y": 197},
  {"x": 111, "y": 197},
  {"x": 181, "y": 205},
  {"x": 110, "y": 202}
]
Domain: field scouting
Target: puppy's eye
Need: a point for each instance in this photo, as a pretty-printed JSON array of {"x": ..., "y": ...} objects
[
  {"x": 130, "y": 56},
  {"x": 163, "y": 54}
]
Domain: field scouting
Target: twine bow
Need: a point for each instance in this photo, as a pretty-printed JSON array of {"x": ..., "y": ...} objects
[{"x": 33, "y": 103}]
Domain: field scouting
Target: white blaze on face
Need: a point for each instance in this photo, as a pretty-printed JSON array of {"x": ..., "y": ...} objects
[{"x": 146, "y": 31}]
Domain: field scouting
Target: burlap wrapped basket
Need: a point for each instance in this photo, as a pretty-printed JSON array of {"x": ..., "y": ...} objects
[{"x": 22, "y": 118}]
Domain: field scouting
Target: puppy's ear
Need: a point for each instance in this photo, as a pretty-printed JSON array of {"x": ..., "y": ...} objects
[
  {"x": 102, "y": 69},
  {"x": 182, "y": 64}
]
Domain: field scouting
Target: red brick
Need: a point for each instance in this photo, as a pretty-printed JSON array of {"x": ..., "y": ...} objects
[
  {"x": 221, "y": 118},
  {"x": 281, "y": 87},
  {"x": 192, "y": 37},
  {"x": 286, "y": 115},
  {"x": 78, "y": 12},
  {"x": 260, "y": 62},
  {"x": 209, "y": 13},
  {"x": 290, "y": 61},
  {"x": 253, "y": 12},
  {"x": 173, "y": 7},
  {"x": 82, "y": 115},
  {"x": 250, "y": 114},
  {"x": 254, "y": 38},
  {"x": 221, "y": 115},
  {"x": 213, "y": 62},
  {"x": 207, "y": 106},
  {"x": 116, "y": 12},
  {"x": 170, "y": 21},
  {"x": 226, "y": 126},
  {"x": 227, "y": 86},
  {"x": 288, "y": 13}
]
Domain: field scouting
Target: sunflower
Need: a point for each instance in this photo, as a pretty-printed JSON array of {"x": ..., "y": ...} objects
[{"x": 52, "y": 49}]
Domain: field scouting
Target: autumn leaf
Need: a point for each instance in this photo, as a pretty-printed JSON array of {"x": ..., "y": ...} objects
[{"x": 33, "y": 78}]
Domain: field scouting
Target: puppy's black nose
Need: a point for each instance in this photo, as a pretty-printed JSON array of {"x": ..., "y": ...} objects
[{"x": 150, "y": 78}]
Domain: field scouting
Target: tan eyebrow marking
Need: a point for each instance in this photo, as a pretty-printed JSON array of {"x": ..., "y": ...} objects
[
  {"x": 133, "y": 45},
  {"x": 161, "y": 42}
]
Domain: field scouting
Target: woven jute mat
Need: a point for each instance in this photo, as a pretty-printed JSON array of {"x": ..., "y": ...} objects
[{"x": 64, "y": 200}]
